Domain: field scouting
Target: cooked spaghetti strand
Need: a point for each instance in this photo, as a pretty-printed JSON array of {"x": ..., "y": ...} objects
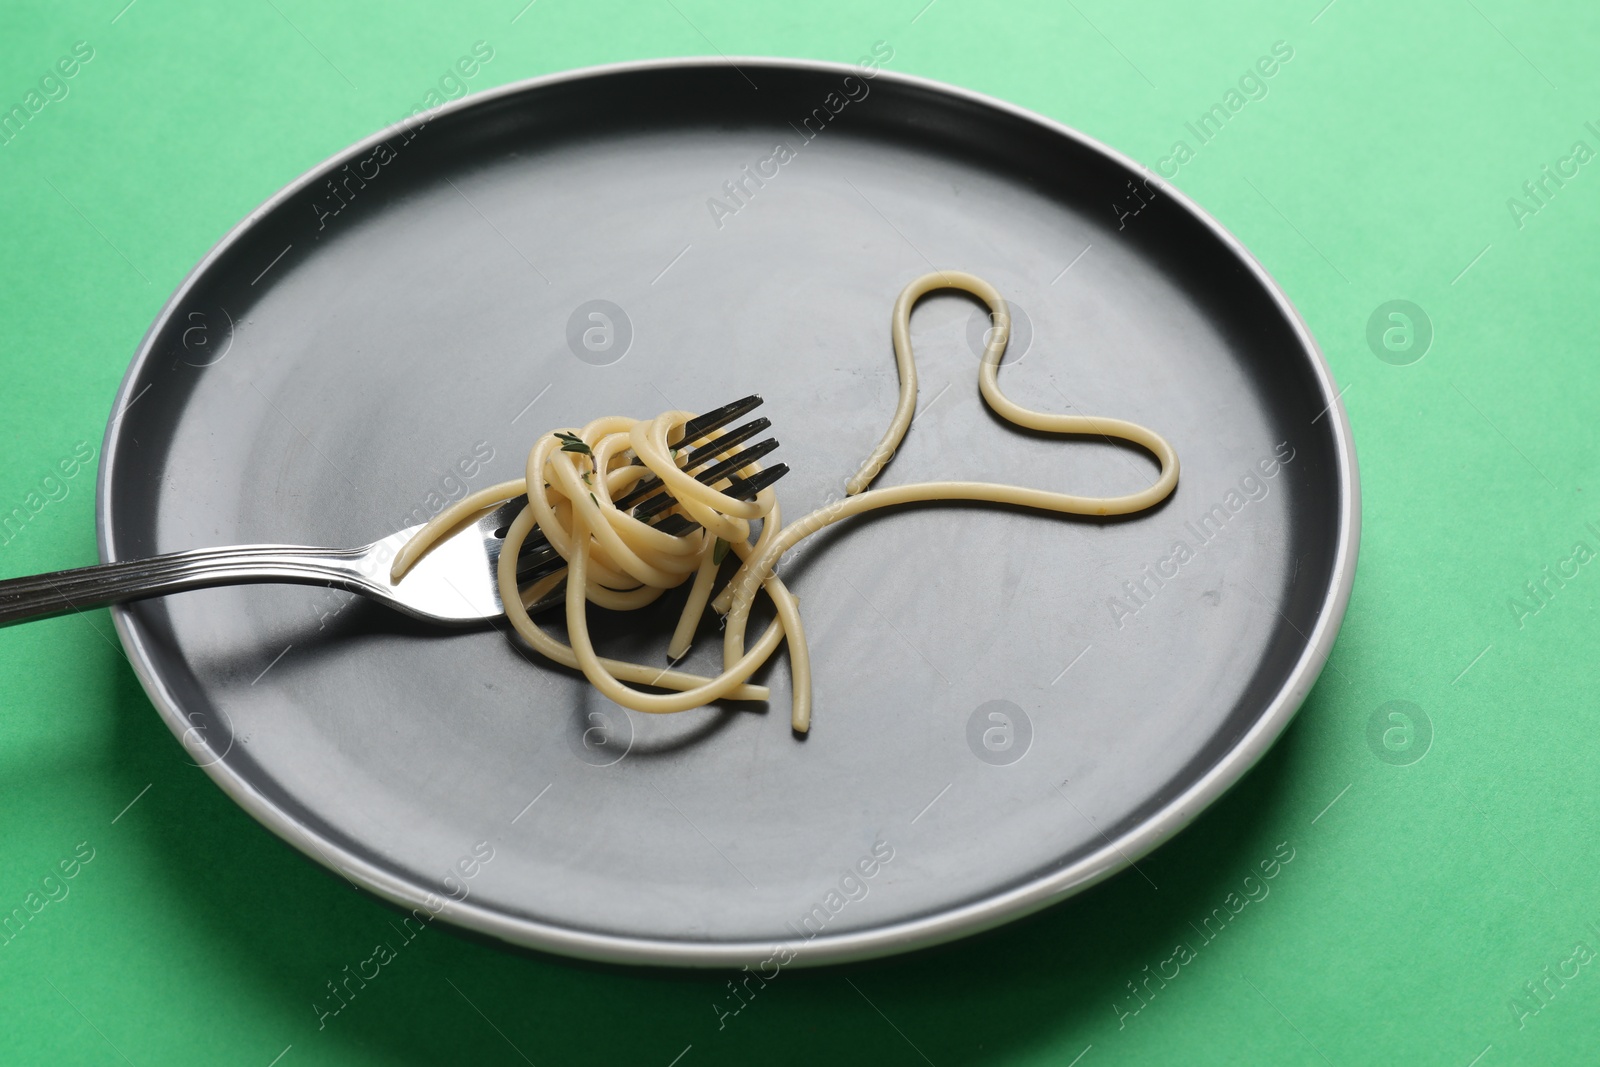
[
  {"x": 759, "y": 567},
  {"x": 616, "y": 561}
]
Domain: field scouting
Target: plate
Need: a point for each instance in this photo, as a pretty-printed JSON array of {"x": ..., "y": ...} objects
[{"x": 1009, "y": 706}]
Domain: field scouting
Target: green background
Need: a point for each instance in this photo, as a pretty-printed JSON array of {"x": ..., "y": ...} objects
[{"x": 1421, "y": 897}]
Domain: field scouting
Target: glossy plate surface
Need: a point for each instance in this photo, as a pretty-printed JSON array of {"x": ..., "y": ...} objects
[{"x": 1009, "y": 706}]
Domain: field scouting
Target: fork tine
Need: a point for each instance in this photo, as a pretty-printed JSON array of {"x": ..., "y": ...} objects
[
  {"x": 710, "y": 476},
  {"x": 675, "y": 525},
  {"x": 744, "y": 488},
  {"x": 648, "y": 486},
  {"x": 736, "y": 436},
  {"x": 717, "y": 418},
  {"x": 693, "y": 430}
]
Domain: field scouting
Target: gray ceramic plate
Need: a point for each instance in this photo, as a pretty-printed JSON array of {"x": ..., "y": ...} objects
[{"x": 1009, "y": 706}]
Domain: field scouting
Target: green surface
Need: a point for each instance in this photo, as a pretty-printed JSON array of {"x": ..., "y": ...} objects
[{"x": 1378, "y": 166}]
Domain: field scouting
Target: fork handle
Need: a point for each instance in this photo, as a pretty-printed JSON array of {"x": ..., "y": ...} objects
[{"x": 43, "y": 595}]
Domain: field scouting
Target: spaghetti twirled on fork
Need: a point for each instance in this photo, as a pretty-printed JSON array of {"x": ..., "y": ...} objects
[{"x": 618, "y": 561}]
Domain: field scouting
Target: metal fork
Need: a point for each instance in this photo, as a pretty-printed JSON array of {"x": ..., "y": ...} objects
[{"x": 454, "y": 583}]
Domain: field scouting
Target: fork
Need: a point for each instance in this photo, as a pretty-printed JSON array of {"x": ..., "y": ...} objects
[{"x": 453, "y": 583}]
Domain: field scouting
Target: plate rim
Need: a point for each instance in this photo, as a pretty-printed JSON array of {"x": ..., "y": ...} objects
[{"x": 903, "y": 936}]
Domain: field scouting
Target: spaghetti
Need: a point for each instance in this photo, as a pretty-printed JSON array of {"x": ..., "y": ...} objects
[{"x": 619, "y": 562}]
